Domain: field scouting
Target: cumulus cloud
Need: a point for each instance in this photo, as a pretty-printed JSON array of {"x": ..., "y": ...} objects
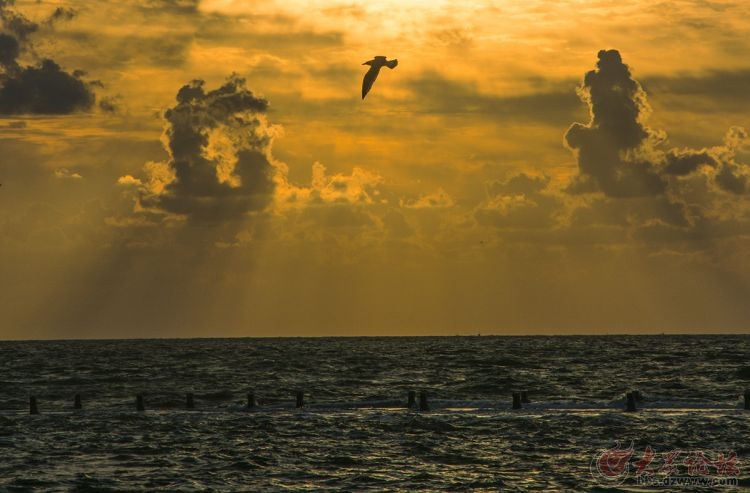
[
  {"x": 219, "y": 165},
  {"x": 44, "y": 88},
  {"x": 619, "y": 155},
  {"x": 615, "y": 146},
  {"x": 358, "y": 188}
]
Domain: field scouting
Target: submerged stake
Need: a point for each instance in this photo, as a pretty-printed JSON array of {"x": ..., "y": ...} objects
[
  {"x": 189, "y": 400},
  {"x": 516, "y": 400},
  {"x": 423, "y": 406},
  {"x": 300, "y": 398},
  {"x": 139, "y": 403},
  {"x": 77, "y": 402},
  {"x": 251, "y": 400},
  {"x": 630, "y": 405},
  {"x": 32, "y": 405},
  {"x": 412, "y": 399}
]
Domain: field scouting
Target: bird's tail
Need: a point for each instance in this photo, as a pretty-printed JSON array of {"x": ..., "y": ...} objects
[{"x": 391, "y": 63}]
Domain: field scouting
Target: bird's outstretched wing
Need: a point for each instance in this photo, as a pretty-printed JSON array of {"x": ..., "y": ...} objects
[{"x": 369, "y": 80}]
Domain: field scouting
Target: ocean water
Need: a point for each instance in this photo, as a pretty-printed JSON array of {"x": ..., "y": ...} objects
[{"x": 356, "y": 434}]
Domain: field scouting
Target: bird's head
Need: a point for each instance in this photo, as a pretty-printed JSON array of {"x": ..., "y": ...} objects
[{"x": 368, "y": 62}]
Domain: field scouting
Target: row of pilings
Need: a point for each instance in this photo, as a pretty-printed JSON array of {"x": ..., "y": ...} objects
[
  {"x": 412, "y": 402},
  {"x": 632, "y": 399}
]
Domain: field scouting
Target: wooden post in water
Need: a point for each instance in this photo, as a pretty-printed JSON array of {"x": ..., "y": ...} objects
[
  {"x": 423, "y": 406},
  {"x": 637, "y": 395},
  {"x": 77, "y": 402},
  {"x": 33, "y": 409},
  {"x": 525, "y": 397},
  {"x": 516, "y": 400},
  {"x": 630, "y": 404},
  {"x": 300, "y": 399},
  {"x": 251, "y": 400},
  {"x": 412, "y": 399},
  {"x": 747, "y": 400},
  {"x": 189, "y": 401},
  {"x": 139, "y": 403}
]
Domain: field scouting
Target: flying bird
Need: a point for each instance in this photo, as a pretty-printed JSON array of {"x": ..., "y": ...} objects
[{"x": 375, "y": 65}]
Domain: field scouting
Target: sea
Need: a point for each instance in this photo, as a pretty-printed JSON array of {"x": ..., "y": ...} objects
[{"x": 355, "y": 431}]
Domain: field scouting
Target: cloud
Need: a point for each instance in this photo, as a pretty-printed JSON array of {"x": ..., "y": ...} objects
[
  {"x": 521, "y": 201},
  {"x": 435, "y": 93},
  {"x": 614, "y": 148},
  {"x": 360, "y": 187},
  {"x": 680, "y": 163},
  {"x": 219, "y": 167},
  {"x": 175, "y": 6},
  {"x": 44, "y": 88},
  {"x": 61, "y": 14},
  {"x": 9, "y": 51},
  {"x": 65, "y": 173},
  {"x": 620, "y": 156},
  {"x": 438, "y": 199},
  {"x": 733, "y": 176},
  {"x": 711, "y": 91},
  {"x": 16, "y": 22}
]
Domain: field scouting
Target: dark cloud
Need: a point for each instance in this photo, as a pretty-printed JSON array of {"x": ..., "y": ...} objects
[
  {"x": 731, "y": 179},
  {"x": 9, "y": 51},
  {"x": 682, "y": 163},
  {"x": 622, "y": 157},
  {"x": 613, "y": 147},
  {"x": 16, "y": 22},
  {"x": 109, "y": 105},
  {"x": 61, "y": 14},
  {"x": 436, "y": 94},
  {"x": 733, "y": 176},
  {"x": 44, "y": 88},
  {"x": 171, "y": 6},
  {"x": 219, "y": 146},
  {"x": 717, "y": 90}
]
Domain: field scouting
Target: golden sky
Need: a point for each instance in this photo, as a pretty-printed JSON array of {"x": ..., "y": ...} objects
[{"x": 185, "y": 168}]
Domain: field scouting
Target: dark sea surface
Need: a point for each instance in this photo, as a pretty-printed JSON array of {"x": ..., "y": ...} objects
[{"x": 354, "y": 432}]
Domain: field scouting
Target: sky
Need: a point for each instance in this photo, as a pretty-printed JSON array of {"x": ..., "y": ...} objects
[{"x": 208, "y": 168}]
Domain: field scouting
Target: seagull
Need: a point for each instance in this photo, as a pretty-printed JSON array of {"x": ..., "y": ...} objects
[{"x": 372, "y": 74}]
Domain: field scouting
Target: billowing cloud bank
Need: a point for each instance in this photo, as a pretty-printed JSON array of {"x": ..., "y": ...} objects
[
  {"x": 42, "y": 88},
  {"x": 219, "y": 165},
  {"x": 619, "y": 155}
]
